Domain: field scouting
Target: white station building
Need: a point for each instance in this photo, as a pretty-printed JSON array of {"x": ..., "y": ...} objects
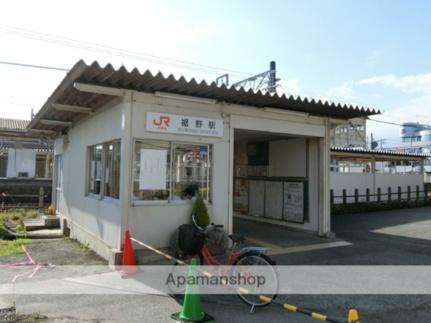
[{"x": 132, "y": 151}]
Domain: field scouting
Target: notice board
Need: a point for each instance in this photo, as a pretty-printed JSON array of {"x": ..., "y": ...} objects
[
  {"x": 152, "y": 174},
  {"x": 293, "y": 201}
]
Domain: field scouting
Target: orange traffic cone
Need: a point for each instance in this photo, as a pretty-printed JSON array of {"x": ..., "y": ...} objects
[{"x": 129, "y": 260}]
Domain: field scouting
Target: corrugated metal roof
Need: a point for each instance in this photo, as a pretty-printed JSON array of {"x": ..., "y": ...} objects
[
  {"x": 379, "y": 152},
  {"x": 13, "y": 124},
  {"x": 147, "y": 82}
]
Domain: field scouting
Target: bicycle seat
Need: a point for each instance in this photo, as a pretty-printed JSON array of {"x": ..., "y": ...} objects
[{"x": 237, "y": 238}]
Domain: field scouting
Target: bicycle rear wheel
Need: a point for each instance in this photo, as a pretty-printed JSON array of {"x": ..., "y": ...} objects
[{"x": 255, "y": 264}]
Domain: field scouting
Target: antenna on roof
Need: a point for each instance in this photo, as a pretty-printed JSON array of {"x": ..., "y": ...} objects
[
  {"x": 32, "y": 114},
  {"x": 266, "y": 81}
]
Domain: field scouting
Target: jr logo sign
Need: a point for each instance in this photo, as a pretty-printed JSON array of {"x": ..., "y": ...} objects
[
  {"x": 163, "y": 121},
  {"x": 186, "y": 125}
]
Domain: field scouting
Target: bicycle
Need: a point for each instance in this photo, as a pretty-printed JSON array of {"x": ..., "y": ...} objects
[{"x": 237, "y": 260}]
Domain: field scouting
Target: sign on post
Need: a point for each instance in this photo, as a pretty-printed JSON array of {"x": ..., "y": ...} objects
[{"x": 171, "y": 123}]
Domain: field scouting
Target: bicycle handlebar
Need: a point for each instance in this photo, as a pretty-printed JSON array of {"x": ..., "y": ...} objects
[{"x": 208, "y": 228}]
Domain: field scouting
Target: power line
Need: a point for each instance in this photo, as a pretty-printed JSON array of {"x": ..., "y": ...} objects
[
  {"x": 35, "y": 66},
  {"x": 114, "y": 51},
  {"x": 386, "y": 122}
]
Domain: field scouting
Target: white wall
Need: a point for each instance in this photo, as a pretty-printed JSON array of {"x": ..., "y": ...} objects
[
  {"x": 155, "y": 223},
  {"x": 288, "y": 158},
  {"x": 98, "y": 219},
  {"x": 362, "y": 181},
  {"x": 105, "y": 219},
  {"x": 21, "y": 160}
]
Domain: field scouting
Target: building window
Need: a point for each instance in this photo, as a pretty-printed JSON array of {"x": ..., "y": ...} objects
[
  {"x": 171, "y": 171},
  {"x": 112, "y": 169},
  {"x": 3, "y": 165},
  {"x": 43, "y": 166},
  {"x": 107, "y": 157},
  {"x": 191, "y": 171},
  {"x": 151, "y": 169},
  {"x": 95, "y": 179}
]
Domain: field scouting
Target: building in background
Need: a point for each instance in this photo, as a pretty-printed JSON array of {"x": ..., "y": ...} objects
[
  {"x": 416, "y": 138},
  {"x": 23, "y": 154},
  {"x": 354, "y": 134},
  {"x": 375, "y": 175},
  {"x": 25, "y": 163}
]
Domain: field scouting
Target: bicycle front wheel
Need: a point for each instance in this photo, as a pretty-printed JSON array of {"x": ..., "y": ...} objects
[{"x": 254, "y": 265}]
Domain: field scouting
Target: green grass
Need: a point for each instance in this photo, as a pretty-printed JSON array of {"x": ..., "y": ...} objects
[
  {"x": 12, "y": 247},
  {"x": 84, "y": 247},
  {"x": 18, "y": 215}
]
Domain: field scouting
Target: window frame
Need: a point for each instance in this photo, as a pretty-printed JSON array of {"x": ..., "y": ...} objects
[
  {"x": 107, "y": 163},
  {"x": 103, "y": 164},
  {"x": 170, "y": 201}
]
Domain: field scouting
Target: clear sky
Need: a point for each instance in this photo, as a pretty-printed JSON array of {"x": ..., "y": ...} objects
[{"x": 372, "y": 53}]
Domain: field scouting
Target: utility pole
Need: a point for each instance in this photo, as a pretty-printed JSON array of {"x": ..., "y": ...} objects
[{"x": 266, "y": 81}]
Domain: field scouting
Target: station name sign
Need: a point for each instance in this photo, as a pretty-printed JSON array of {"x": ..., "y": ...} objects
[{"x": 172, "y": 123}]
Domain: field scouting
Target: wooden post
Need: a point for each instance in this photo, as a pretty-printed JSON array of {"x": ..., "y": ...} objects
[
  {"x": 47, "y": 166},
  {"x": 409, "y": 192},
  {"x": 332, "y": 197},
  {"x": 41, "y": 196},
  {"x": 425, "y": 192},
  {"x": 417, "y": 193},
  {"x": 367, "y": 194},
  {"x": 356, "y": 195},
  {"x": 399, "y": 193},
  {"x": 344, "y": 196},
  {"x": 389, "y": 194},
  {"x": 379, "y": 195}
]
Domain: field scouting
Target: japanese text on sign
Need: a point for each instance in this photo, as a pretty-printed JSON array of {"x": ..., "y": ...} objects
[{"x": 170, "y": 123}]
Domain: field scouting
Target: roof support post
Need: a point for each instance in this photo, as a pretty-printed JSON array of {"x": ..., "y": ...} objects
[
  {"x": 324, "y": 222},
  {"x": 126, "y": 165},
  {"x": 373, "y": 173}
]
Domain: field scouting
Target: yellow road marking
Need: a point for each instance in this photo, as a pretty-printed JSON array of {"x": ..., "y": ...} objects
[
  {"x": 310, "y": 247},
  {"x": 264, "y": 244}
]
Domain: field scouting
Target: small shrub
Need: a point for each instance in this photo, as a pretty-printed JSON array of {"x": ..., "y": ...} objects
[
  {"x": 12, "y": 247},
  {"x": 201, "y": 211}
]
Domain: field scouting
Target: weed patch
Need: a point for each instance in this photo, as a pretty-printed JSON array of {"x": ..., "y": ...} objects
[{"x": 12, "y": 247}]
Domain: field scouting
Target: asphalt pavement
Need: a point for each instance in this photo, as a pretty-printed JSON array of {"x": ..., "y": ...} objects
[{"x": 399, "y": 237}]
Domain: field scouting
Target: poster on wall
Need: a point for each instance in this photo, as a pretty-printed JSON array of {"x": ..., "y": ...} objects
[
  {"x": 293, "y": 206},
  {"x": 152, "y": 174}
]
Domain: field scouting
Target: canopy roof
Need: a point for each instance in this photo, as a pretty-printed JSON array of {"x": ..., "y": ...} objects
[{"x": 67, "y": 95}]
